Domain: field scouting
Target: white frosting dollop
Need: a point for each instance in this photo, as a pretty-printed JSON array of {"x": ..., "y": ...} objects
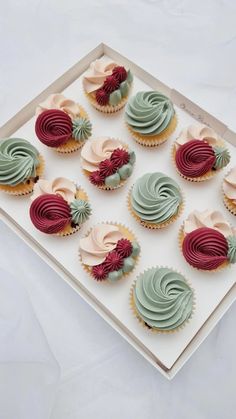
[
  {"x": 59, "y": 186},
  {"x": 58, "y": 101},
  {"x": 197, "y": 132},
  {"x": 210, "y": 219},
  {"x": 96, "y": 74},
  {"x": 229, "y": 185},
  {"x": 101, "y": 240},
  {"x": 96, "y": 150}
]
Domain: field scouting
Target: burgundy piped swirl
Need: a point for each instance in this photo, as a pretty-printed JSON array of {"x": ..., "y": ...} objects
[
  {"x": 205, "y": 248},
  {"x": 50, "y": 213},
  {"x": 195, "y": 158},
  {"x": 53, "y": 127}
]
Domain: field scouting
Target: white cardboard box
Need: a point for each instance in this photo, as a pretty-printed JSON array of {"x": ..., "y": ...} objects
[{"x": 214, "y": 293}]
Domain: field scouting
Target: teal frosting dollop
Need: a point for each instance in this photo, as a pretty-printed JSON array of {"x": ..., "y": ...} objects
[
  {"x": 80, "y": 211},
  {"x": 18, "y": 161},
  {"x": 115, "y": 97},
  {"x": 81, "y": 129},
  {"x": 231, "y": 248},
  {"x": 149, "y": 113},
  {"x": 162, "y": 298},
  {"x": 155, "y": 198},
  {"x": 222, "y": 157}
]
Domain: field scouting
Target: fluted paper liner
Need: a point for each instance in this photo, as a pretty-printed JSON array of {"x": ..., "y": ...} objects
[
  {"x": 154, "y": 140},
  {"x": 107, "y": 109},
  {"x": 28, "y": 186},
  {"x": 152, "y": 226},
  {"x": 202, "y": 178},
  {"x": 181, "y": 237},
  {"x": 142, "y": 322},
  {"x": 128, "y": 234}
]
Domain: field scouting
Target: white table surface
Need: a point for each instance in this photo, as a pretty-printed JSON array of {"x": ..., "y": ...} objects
[{"x": 191, "y": 46}]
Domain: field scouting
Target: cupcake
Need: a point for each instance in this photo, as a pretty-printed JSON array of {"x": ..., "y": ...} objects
[
  {"x": 107, "y": 85},
  {"x": 150, "y": 118},
  {"x": 229, "y": 191},
  {"x": 199, "y": 153},
  {"x": 59, "y": 207},
  {"x": 21, "y": 165},
  {"x": 109, "y": 252},
  {"x": 207, "y": 241},
  {"x": 162, "y": 300},
  {"x": 107, "y": 162},
  {"x": 155, "y": 200},
  {"x": 62, "y": 124}
]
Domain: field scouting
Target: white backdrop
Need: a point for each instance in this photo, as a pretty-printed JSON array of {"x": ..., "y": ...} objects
[{"x": 191, "y": 46}]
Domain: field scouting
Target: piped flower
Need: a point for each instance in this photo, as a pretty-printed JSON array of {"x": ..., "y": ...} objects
[
  {"x": 99, "y": 272},
  {"x": 102, "y": 97},
  {"x": 110, "y": 84},
  {"x": 113, "y": 261},
  {"x": 222, "y": 157},
  {"x": 107, "y": 168},
  {"x": 80, "y": 211},
  {"x": 81, "y": 129},
  {"x": 120, "y": 157},
  {"x": 124, "y": 248},
  {"x": 231, "y": 248},
  {"x": 120, "y": 73},
  {"x": 96, "y": 178}
]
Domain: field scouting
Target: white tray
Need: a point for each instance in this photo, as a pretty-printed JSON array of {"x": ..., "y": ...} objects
[{"x": 214, "y": 293}]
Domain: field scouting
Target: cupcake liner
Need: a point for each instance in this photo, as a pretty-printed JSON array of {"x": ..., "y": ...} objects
[
  {"x": 72, "y": 145},
  {"x": 128, "y": 234},
  {"x": 27, "y": 187},
  {"x": 231, "y": 207},
  {"x": 108, "y": 109},
  {"x": 155, "y": 330},
  {"x": 152, "y": 226},
  {"x": 154, "y": 140},
  {"x": 181, "y": 236},
  {"x": 202, "y": 178}
]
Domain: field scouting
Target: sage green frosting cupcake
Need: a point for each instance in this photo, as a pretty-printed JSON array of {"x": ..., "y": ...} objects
[
  {"x": 222, "y": 157},
  {"x": 149, "y": 113},
  {"x": 18, "y": 161},
  {"x": 81, "y": 129},
  {"x": 155, "y": 198},
  {"x": 163, "y": 299},
  {"x": 80, "y": 211}
]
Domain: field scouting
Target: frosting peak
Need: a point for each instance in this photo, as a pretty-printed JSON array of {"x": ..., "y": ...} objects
[
  {"x": 60, "y": 102},
  {"x": 59, "y": 186}
]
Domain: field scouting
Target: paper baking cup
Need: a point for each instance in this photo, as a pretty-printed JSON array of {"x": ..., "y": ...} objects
[
  {"x": 180, "y": 242},
  {"x": 108, "y": 109},
  {"x": 128, "y": 234},
  {"x": 231, "y": 207},
  {"x": 73, "y": 145},
  {"x": 202, "y": 178},
  {"x": 152, "y": 329},
  {"x": 69, "y": 230},
  {"x": 27, "y": 187},
  {"x": 154, "y": 140},
  {"x": 152, "y": 226}
]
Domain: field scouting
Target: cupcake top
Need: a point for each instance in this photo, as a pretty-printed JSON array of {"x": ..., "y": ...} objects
[
  {"x": 108, "y": 252},
  {"x": 162, "y": 298},
  {"x": 209, "y": 240},
  {"x": 107, "y": 81},
  {"x": 199, "y": 150},
  {"x": 229, "y": 185},
  {"x": 58, "y": 204},
  {"x": 59, "y": 119},
  {"x": 149, "y": 113},
  {"x": 156, "y": 198},
  {"x": 18, "y": 161},
  {"x": 107, "y": 160}
]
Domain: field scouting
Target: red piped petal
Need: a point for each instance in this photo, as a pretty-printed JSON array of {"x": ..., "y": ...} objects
[
  {"x": 110, "y": 84},
  {"x": 102, "y": 97},
  {"x": 120, "y": 73},
  {"x": 107, "y": 168},
  {"x": 113, "y": 261},
  {"x": 100, "y": 272},
  {"x": 96, "y": 178},
  {"x": 124, "y": 248},
  {"x": 120, "y": 157}
]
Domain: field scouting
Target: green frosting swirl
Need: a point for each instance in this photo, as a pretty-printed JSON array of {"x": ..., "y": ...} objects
[
  {"x": 163, "y": 299},
  {"x": 80, "y": 211},
  {"x": 155, "y": 198},
  {"x": 18, "y": 161},
  {"x": 222, "y": 157},
  {"x": 81, "y": 129},
  {"x": 231, "y": 249},
  {"x": 149, "y": 113}
]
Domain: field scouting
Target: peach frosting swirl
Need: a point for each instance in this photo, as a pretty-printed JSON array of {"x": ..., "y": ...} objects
[
  {"x": 101, "y": 240},
  {"x": 58, "y": 101},
  {"x": 229, "y": 185},
  {"x": 97, "y": 73},
  {"x": 59, "y": 186},
  {"x": 197, "y": 132},
  {"x": 210, "y": 219},
  {"x": 97, "y": 150}
]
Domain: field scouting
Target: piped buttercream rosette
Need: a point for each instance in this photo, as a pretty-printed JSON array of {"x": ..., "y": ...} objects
[
  {"x": 59, "y": 207},
  {"x": 198, "y": 153},
  {"x": 62, "y": 124},
  {"x": 109, "y": 251},
  {"x": 229, "y": 190},
  {"x": 107, "y": 162},
  {"x": 207, "y": 240}
]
